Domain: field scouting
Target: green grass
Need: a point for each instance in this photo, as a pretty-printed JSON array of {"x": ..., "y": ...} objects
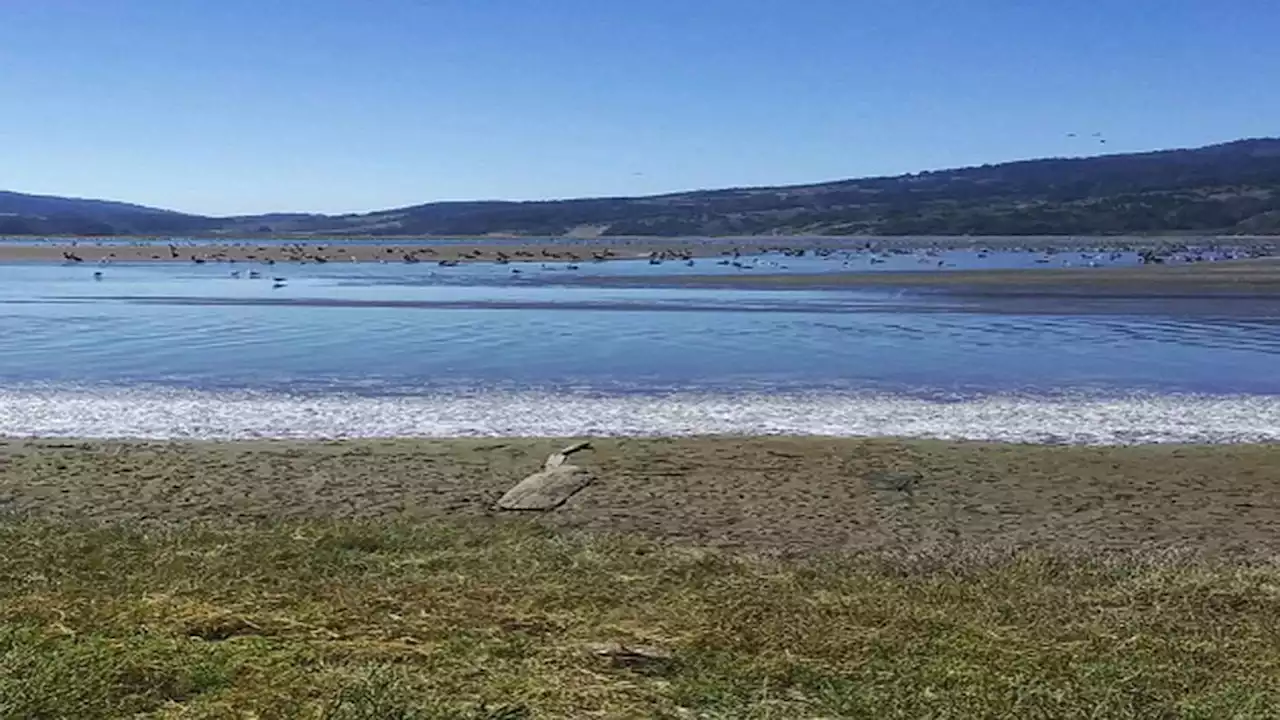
[{"x": 498, "y": 621}]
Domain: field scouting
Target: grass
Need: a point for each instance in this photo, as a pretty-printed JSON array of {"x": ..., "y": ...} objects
[{"x": 352, "y": 620}]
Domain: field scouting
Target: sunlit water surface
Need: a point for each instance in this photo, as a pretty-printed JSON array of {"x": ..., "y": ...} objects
[{"x": 162, "y": 350}]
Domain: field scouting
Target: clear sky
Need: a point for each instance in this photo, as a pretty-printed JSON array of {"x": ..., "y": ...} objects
[{"x": 245, "y": 106}]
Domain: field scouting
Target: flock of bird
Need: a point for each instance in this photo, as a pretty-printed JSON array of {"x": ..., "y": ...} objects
[
  {"x": 1096, "y": 136},
  {"x": 752, "y": 258}
]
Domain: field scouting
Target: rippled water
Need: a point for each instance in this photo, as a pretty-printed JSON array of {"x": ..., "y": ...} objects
[{"x": 393, "y": 349}]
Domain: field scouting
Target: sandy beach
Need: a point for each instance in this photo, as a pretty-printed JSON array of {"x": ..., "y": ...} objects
[
  {"x": 789, "y": 495},
  {"x": 91, "y": 251},
  {"x": 560, "y": 249},
  {"x": 1244, "y": 277}
]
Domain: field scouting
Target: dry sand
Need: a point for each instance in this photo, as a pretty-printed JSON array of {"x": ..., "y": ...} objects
[
  {"x": 790, "y": 495},
  {"x": 356, "y": 251},
  {"x": 471, "y": 250}
]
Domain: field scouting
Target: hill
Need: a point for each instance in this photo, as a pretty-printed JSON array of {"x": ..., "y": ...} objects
[
  {"x": 51, "y": 215},
  {"x": 1227, "y": 188}
]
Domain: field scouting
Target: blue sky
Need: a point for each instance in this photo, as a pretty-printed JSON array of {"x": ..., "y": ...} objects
[{"x": 243, "y": 106}]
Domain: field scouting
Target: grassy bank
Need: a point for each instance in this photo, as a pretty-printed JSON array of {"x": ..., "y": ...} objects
[
  {"x": 751, "y": 578},
  {"x": 489, "y": 619}
]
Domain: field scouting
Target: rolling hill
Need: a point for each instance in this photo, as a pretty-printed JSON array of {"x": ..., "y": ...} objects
[{"x": 1227, "y": 188}]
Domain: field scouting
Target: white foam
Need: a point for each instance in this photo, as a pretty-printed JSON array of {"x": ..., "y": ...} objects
[{"x": 187, "y": 414}]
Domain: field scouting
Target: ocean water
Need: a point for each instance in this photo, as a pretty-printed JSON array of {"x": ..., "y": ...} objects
[{"x": 347, "y": 350}]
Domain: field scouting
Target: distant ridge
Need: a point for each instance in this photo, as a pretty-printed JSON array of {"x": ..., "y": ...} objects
[{"x": 1228, "y": 188}]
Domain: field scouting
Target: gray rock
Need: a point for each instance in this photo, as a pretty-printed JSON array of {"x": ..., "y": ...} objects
[
  {"x": 560, "y": 458},
  {"x": 546, "y": 489}
]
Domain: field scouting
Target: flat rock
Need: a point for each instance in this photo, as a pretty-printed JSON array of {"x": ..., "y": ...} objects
[{"x": 546, "y": 489}]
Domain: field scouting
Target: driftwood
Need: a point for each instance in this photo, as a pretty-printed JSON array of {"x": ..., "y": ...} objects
[{"x": 550, "y": 487}]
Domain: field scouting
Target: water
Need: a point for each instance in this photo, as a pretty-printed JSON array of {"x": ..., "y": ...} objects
[{"x": 161, "y": 350}]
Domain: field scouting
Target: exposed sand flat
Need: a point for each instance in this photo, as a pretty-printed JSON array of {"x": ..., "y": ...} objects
[
  {"x": 767, "y": 494},
  {"x": 89, "y": 251},
  {"x": 1260, "y": 276},
  {"x": 566, "y": 249}
]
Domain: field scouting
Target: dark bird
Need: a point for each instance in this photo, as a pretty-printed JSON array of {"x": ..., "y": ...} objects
[{"x": 97, "y": 275}]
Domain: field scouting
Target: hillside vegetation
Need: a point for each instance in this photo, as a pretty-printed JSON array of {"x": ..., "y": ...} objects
[{"x": 1227, "y": 188}]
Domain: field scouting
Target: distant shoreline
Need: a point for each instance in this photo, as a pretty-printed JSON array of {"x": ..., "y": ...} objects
[
  {"x": 514, "y": 249},
  {"x": 1236, "y": 277}
]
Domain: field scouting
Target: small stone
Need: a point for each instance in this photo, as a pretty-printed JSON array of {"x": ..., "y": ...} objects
[
  {"x": 632, "y": 656},
  {"x": 560, "y": 458}
]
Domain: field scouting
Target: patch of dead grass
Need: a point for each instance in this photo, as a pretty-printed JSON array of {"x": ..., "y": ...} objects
[{"x": 481, "y": 620}]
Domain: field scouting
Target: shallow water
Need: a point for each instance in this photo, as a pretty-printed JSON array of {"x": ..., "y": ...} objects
[{"x": 341, "y": 349}]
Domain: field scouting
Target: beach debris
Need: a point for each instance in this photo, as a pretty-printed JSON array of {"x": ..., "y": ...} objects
[
  {"x": 550, "y": 487},
  {"x": 560, "y": 458},
  {"x": 635, "y": 657},
  {"x": 897, "y": 481}
]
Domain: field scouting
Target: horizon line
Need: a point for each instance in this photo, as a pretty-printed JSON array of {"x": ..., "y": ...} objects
[{"x": 687, "y": 191}]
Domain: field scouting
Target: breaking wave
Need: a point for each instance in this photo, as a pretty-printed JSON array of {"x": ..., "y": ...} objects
[{"x": 167, "y": 413}]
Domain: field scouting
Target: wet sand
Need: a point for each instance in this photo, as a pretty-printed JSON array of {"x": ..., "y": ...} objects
[
  {"x": 788, "y": 495},
  {"x": 565, "y": 250},
  {"x": 1259, "y": 277}
]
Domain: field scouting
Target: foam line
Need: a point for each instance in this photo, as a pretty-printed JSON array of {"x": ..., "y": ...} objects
[{"x": 159, "y": 413}]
